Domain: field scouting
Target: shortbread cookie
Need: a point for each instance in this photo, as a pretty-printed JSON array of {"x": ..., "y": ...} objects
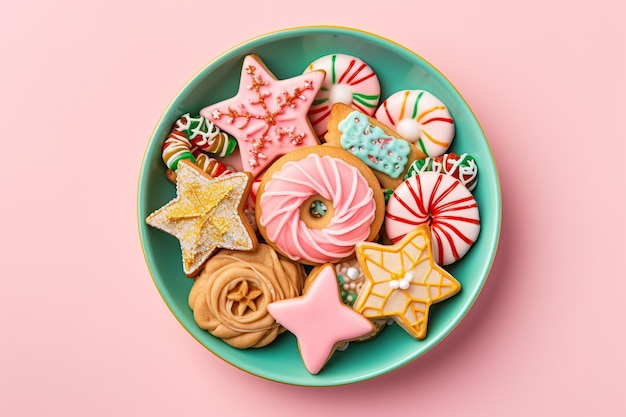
[{"x": 230, "y": 296}]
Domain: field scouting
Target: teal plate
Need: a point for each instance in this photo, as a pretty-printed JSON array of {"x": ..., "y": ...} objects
[{"x": 287, "y": 53}]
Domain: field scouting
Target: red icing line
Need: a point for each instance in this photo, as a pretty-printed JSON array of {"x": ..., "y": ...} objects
[
  {"x": 356, "y": 73},
  {"x": 316, "y": 121},
  {"x": 318, "y": 110},
  {"x": 440, "y": 260},
  {"x": 346, "y": 71},
  {"x": 437, "y": 119},
  {"x": 363, "y": 79},
  {"x": 387, "y": 112},
  {"x": 361, "y": 109},
  {"x": 406, "y": 206},
  {"x": 402, "y": 220}
]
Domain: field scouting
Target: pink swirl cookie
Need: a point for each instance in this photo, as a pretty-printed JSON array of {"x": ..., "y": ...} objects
[
  {"x": 348, "y": 80},
  {"x": 315, "y": 204},
  {"x": 441, "y": 201},
  {"x": 419, "y": 117}
]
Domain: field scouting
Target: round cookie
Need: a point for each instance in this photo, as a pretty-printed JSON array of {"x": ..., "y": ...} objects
[
  {"x": 229, "y": 298},
  {"x": 442, "y": 202},
  {"x": 316, "y": 203},
  {"x": 348, "y": 80},
  {"x": 419, "y": 117}
]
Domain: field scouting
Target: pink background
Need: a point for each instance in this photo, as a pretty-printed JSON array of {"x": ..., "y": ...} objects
[{"x": 83, "y": 328}]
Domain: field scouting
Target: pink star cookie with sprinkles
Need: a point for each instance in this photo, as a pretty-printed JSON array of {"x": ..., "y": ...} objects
[
  {"x": 319, "y": 319},
  {"x": 268, "y": 117}
]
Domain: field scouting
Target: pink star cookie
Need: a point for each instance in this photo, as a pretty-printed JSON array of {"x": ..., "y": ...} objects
[
  {"x": 268, "y": 117},
  {"x": 319, "y": 319}
]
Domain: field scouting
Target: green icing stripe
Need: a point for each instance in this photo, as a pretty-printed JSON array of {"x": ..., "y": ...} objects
[
  {"x": 232, "y": 144},
  {"x": 366, "y": 97},
  {"x": 334, "y": 57},
  {"x": 363, "y": 102},
  {"x": 417, "y": 100},
  {"x": 422, "y": 147},
  {"x": 185, "y": 155},
  {"x": 320, "y": 101}
]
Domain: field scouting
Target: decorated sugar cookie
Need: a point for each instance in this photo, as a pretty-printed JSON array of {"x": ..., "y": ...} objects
[
  {"x": 192, "y": 134},
  {"x": 319, "y": 319},
  {"x": 440, "y": 202},
  {"x": 375, "y": 144},
  {"x": 205, "y": 215},
  {"x": 348, "y": 80},
  {"x": 316, "y": 203},
  {"x": 268, "y": 117},
  {"x": 403, "y": 281},
  {"x": 462, "y": 167},
  {"x": 419, "y": 117}
]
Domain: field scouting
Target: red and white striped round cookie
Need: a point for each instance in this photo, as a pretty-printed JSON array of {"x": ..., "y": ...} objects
[{"x": 445, "y": 204}]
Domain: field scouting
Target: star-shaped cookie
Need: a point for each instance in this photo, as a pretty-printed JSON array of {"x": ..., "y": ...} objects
[
  {"x": 402, "y": 281},
  {"x": 268, "y": 117},
  {"x": 319, "y": 319},
  {"x": 206, "y": 214}
]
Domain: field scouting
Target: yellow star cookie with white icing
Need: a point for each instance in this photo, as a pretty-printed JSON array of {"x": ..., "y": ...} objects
[
  {"x": 402, "y": 281},
  {"x": 206, "y": 215}
]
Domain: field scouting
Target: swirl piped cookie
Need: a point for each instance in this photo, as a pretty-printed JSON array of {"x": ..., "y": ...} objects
[{"x": 315, "y": 204}]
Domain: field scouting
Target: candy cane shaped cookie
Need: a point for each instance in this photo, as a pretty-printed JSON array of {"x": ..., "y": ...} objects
[
  {"x": 419, "y": 117},
  {"x": 441, "y": 201},
  {"x": 348, "y": 80}
]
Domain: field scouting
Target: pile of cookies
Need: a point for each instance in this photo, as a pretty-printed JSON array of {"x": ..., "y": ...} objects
[{"x": 308, "y": 205}]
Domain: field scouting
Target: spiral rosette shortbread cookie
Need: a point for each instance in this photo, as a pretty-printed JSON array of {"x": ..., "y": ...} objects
[{"x": 230, "y": 296}]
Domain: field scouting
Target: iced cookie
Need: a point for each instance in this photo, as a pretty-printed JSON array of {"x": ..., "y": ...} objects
[
  {"x": 375, "y": 144},
  {"x": 319, "y": 320},
  {"x": 316, "y": 203},
  {"x": 403, "y": 281},
  {"x": 348, "y": 80},
  {"x": 419, "y": 117},
  {"x": 462, "y": 167},
  {"x": 229, "y": 297},
  {"x": 268, "y": 117},
  {"x": 442, "y": 203},
  {"x": 205, "y": 215}
]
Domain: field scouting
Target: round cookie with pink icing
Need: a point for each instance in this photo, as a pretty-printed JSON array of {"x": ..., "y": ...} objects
[
  {"x": 315, "y": 204},
  {"x": 420, "y": 118},
  {"x": 444, "y": 203},
  {"x": 348, "y": 80}
]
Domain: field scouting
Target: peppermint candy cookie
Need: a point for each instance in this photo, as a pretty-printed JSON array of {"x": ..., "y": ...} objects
[
  {"x": 419, "y": 117},
  {"x": 348, "y": 80},
  {"x": 440, "y": 202}
]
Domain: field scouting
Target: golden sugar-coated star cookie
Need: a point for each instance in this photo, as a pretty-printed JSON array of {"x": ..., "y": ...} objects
[
  {"x": 206, "y": 215},
  {"x": 402, "y": 281}
]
